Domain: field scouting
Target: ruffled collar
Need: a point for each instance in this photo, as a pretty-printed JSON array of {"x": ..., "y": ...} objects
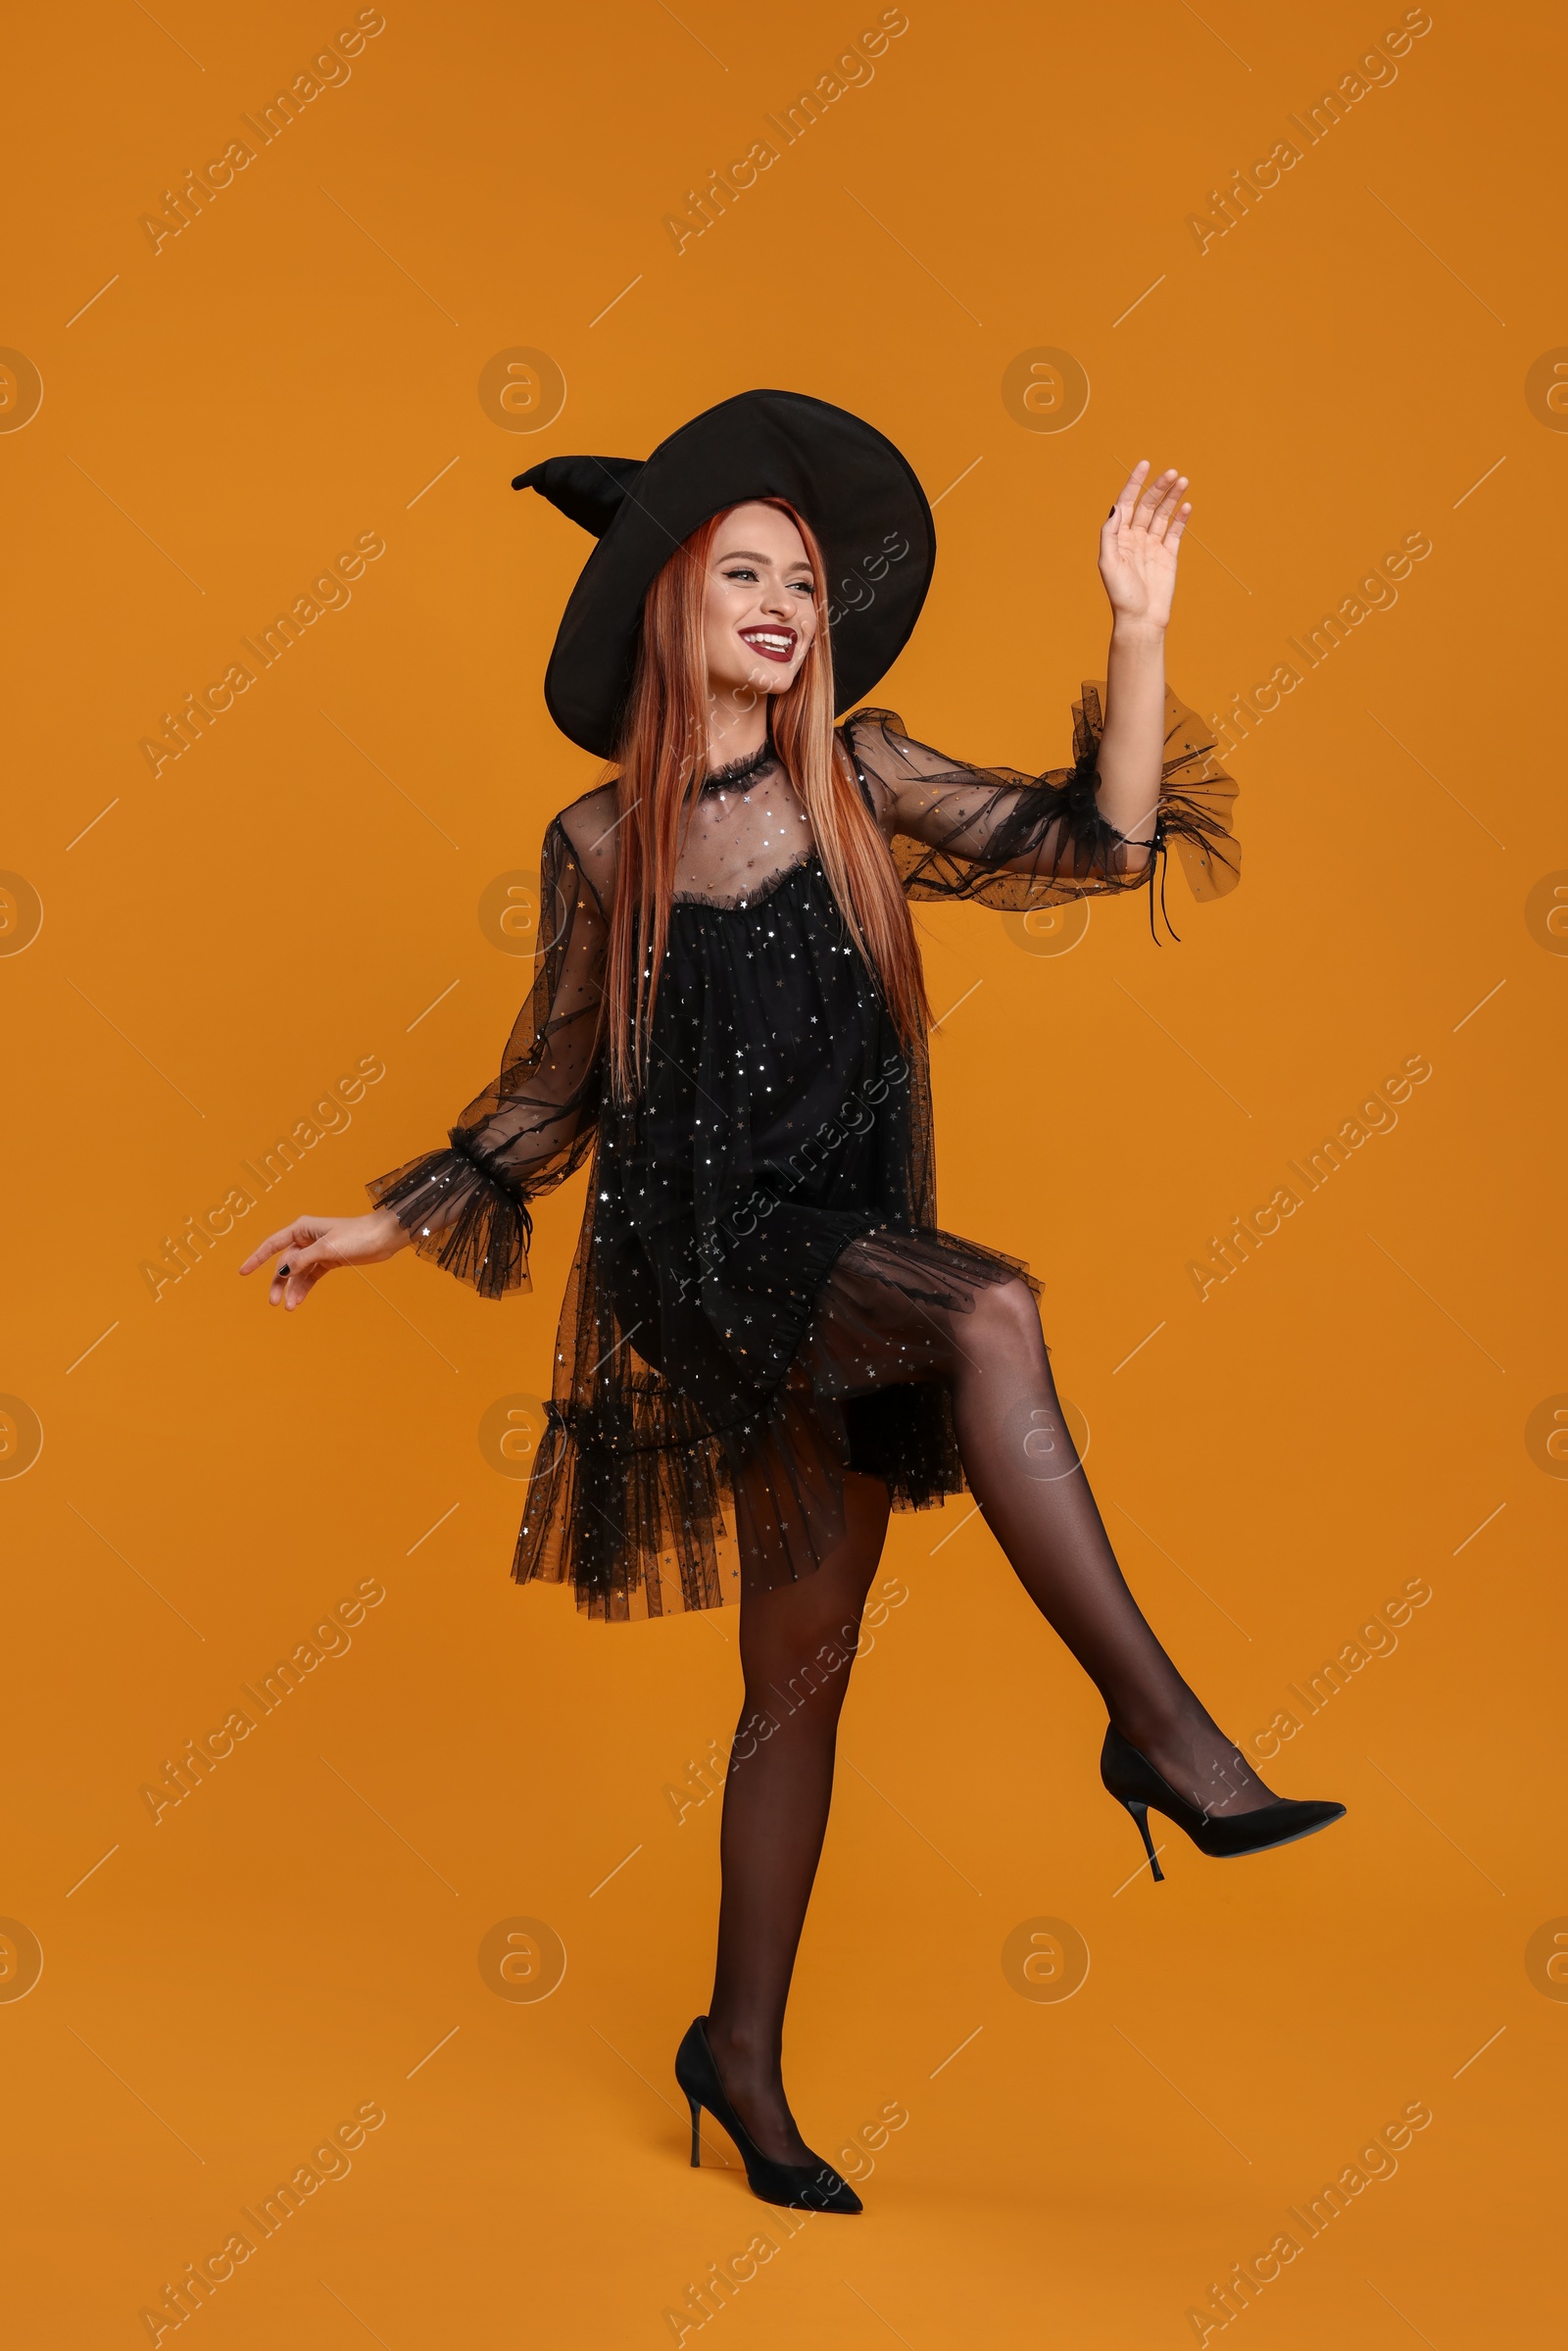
[{"x": 741, "y": 772}]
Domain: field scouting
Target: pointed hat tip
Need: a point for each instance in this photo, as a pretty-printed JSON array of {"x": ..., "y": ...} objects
[{"x": 590, "y": 490}]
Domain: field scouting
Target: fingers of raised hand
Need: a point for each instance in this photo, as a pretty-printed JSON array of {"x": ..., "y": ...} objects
[
  {"x": 1121, "y": 512},
  {"x": 1164, "y": 515},
  {"x": 1156, "y": 491}
]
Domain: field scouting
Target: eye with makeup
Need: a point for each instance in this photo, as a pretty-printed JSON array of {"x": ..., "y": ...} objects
[{"x": 745, "y": 571}]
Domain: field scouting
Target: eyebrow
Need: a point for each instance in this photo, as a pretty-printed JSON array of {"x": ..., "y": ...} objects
[{"x": 802, "y": 564}]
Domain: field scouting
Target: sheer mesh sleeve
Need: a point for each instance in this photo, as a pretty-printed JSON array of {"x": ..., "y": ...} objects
[
  {"x": 466, "y": 1207},
  {"x": 1016, "y": 842}
]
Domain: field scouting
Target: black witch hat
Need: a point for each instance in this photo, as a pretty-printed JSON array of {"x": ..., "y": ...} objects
[{"x": 859, "y": 494}]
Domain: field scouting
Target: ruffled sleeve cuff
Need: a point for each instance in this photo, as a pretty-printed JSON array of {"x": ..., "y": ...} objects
[
  {"x": 1191, "y": 814},
  {"x": 1016, "y": 842},
  {"x": 1196, "y": 799},
  {"x": 463, "y": 1215}
]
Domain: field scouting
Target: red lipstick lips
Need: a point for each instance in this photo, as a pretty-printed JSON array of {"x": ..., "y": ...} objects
[{"x": 773, "y": 644}]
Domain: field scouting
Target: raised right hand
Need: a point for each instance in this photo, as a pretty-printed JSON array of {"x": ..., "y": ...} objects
[{"x": 313, "y": 1246}]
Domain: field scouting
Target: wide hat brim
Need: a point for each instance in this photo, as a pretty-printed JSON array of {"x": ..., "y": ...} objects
[{"x": 853, "y": 486}]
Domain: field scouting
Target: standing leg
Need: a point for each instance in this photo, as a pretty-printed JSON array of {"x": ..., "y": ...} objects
[{"x": 797, "y": 1648}]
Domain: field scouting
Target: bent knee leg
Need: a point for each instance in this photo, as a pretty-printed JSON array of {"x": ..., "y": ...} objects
[{"x": 1005, "y": 1320}]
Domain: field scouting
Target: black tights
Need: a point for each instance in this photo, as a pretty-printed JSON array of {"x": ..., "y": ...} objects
[{"x": 797, "y": 1643}]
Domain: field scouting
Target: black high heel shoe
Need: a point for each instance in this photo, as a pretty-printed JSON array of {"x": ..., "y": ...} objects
[
  {"x": 812, "y": 2186},
  {"x": 1134, "y": 1781}
]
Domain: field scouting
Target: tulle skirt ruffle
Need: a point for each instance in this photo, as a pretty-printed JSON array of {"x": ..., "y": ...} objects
[{"x": 664, "y": 1511}]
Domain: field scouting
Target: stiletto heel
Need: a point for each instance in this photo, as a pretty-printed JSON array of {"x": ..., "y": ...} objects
[
  {"x": 1140, "y": 1813},
  {"x": 813, "y": 2187},
  {"x": 695, "y": 2106},
  {"x": 1134, "y": 1781}
]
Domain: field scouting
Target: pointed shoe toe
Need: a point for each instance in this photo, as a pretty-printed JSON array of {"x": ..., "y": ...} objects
[
  {"x": 1133, "y": 1780},
  {"x": 813, "y": 2187}
]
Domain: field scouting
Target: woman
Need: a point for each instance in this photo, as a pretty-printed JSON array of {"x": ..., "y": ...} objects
[{"x": 767, "y": 1342}]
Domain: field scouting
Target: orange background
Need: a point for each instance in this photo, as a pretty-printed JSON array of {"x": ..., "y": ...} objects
[{"x": 220, "y": 942}]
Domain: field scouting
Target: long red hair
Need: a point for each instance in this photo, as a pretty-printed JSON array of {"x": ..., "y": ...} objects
[{"x": 661, "y": 762}]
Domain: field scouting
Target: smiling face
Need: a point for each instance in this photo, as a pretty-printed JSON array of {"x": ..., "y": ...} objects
[{"x": 758, "y": 603}]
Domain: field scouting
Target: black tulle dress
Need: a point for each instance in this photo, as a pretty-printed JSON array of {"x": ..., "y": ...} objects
[{"x": 759, "y": 1269}]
